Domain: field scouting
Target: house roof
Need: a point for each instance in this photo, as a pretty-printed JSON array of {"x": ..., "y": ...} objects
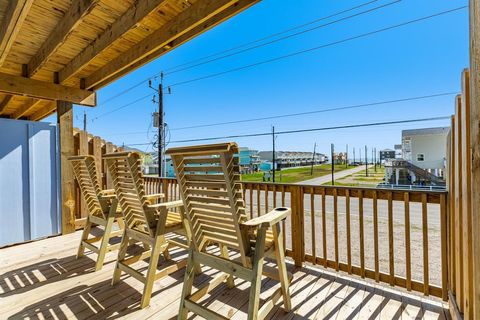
[
  {"x": 425, "y": 131},
  {"x": 67, "y": 49}
]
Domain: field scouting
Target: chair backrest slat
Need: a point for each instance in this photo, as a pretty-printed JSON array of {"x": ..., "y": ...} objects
[
  {"x": 85, "y": 172},
  {"x": 126, "y": 172},
  {"x": 210, "y": 187}
]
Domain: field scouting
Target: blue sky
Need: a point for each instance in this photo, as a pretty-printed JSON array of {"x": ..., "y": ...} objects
[{"x": 415, "y": 60}]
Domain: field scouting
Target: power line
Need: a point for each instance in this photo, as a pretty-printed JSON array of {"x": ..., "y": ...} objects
[
  {"x": 355, "y": 106},
  {"x": 319, "y": 111},
  {"x": 269, "y": 36},
  {"x": 363, "y": 35},
  {"x": 373, "y": 124},
  {"x": 183, "y": 67},
  {"x": 283, "y": 38},
  {"x": 124, "y": 106}
]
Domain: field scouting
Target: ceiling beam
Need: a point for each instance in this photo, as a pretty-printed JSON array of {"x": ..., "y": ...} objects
[
  {"x": 127, "y": 21},
  {"x": 26, "y": 108},
  {"x": 5, "y": 102},
  {"x": 10, "y": 26},
  {"x": 212, "y": 22},
  {"x": 44, "y": 112},
  {"x": 45, "y": 90},
  {"x": 185, "y": 21},
  {"x": 72, "y": 18}
]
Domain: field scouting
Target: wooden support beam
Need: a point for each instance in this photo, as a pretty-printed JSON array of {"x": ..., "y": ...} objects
[
  {"x": 67, "y": 201},
  {"x": 161, "y": 40},
  {"x": 4, "y": 103},
  {"x": 45, "y": 90},
  {"x": 127, "y": 21},
  {"x": 72, "y": 18},
  {"x": 10, "y": 26},
  {"x": 27, "y": 107},
  {"x": 44, "y": 112},
  {"x": 475, "y": 145}
]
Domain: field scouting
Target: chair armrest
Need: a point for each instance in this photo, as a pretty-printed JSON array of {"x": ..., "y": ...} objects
[
  {"x": 167, "y": 205},
  {"x": 154, "y": 196},
  {"x": 108, "y": 194},
  {"x": 269, "y": 219}
]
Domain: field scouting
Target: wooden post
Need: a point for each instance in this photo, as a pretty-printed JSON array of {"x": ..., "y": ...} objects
[
  {"x": 65, "y": 129},
  {"x": 475, "y": 144},
  {"x": 298, "y": 225}
]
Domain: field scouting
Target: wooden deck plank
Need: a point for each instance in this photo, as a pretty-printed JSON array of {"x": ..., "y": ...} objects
[{"x": 53, "y": 284}]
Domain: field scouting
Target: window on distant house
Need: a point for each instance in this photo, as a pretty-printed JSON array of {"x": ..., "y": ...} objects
[{"x": 420, "y": 157}]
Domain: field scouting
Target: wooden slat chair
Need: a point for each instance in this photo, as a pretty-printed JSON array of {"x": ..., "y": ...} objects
[
  {"x": 101, "y": 206},
  {"x": 144, "y": 222},
  {"x": 210, "y": 187}
]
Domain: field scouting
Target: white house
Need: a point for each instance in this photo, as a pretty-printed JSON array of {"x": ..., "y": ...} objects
[{"x": 426, "y": 148}]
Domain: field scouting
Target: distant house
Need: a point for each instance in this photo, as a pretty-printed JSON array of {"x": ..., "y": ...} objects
[
  {"x": 398, "y": 151},
  {"x": 387, "y": 154},
  {"x": 426, "y": 148},
  {"x": 286, "y": 159},
  {"x": 249, "y": 160}
]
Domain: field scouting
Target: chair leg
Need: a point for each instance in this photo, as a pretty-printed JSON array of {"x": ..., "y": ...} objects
[
  {"x": 224, "y": 253},
  {"x": 187, "y": 286},
  {"x": 254, "y": 298},
  {"x": 282, "y": 266},
  {"x": 121, "y": 255},
  {"x": 152, "y": 270},
  {"x": 102, "y": 250},
  {"x": 85, "y": 233}
]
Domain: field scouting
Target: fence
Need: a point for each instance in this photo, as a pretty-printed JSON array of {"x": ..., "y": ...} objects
[
  {"x": 85, "y": 143},
  {"x": 343, "y": 228},
  {"x": 460, "y": 204}
]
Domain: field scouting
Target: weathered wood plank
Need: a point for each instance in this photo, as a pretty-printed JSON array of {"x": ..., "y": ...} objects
[{"x": 45, "y": 90}]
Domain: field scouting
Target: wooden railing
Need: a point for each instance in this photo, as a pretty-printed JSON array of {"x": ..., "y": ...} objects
[{"x": 394, "y": 236}]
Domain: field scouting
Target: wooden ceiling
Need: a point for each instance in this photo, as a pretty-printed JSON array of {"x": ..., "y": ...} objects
[{"x": 66, "y": 49}]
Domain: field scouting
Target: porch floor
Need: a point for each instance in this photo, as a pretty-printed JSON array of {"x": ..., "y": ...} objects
[{"x": 43, "y": 280}]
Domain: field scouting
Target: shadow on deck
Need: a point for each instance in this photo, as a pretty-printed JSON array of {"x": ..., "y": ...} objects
[{"x": 44, "y": 280}]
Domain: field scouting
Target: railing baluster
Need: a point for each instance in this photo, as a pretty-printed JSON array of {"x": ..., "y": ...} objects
[
  {"x": 426, "y": 280},
  {"x": 408, "y": 256},
  {"x": 390, "y": 239},
  {"x": 362, "y": 240},
  {"x": 443, "y": 230},
  {"x": 283, "y": 222},
  {"x": 375, "y": 236},
  {"x": 324, "y": 230},
  {"x": 258, "y": 201},
  {"x": 274, "y": 196},
  {"x": 312, "y": 221},
  {"x": 347, "y": 217},
  {"x": 265, "y": 192},
  {"x": 335, "y": 227},
  {"x": 251, "y": 201}
]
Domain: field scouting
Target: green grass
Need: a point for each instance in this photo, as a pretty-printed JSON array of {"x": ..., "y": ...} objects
[
  {"x": 360, "y": 179},
  {"x": 293, "y": 175}
]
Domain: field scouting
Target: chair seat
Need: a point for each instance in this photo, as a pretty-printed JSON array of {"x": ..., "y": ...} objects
[
  {"x": 173, "y": 220},
  {"x": 269, "y": 240}
]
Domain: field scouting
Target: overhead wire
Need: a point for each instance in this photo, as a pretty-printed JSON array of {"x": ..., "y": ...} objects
[
  {"x": 330, "y": 44},
  {"x": 372, "y": 124}
]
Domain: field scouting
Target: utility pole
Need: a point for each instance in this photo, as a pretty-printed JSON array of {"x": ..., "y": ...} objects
[
  {"x": 366, "y": 162},
  {"x": 273, "y": 152},
  {"x": 84, "y": 120},
  {"x": 360, "y": 157},
  {"x": 333, "y": 164},
  {"x": 313, "y": 158},
  {"x": 375, "y": 159},
  {"x": 160, "y": 128},
  {"x": 346, "y": 157},
  {"x": 354, "y": 156}
]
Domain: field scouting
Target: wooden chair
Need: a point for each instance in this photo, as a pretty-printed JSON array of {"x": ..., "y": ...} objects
[
  {"x": 145, "y": 222},
  {"x": 102, "y": 209},
  {"x": 210, "y": 186}
]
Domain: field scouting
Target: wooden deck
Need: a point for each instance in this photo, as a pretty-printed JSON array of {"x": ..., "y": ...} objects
[{"x": 43, "y": 280}]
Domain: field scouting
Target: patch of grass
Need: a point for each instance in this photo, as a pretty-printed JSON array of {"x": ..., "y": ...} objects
[{"x": 293, "y": 175}]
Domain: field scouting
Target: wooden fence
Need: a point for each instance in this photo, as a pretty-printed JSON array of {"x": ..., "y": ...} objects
[
  {"x": 85, "y": 143},
  {"x": 372, "y": 233},
  {"x": 460, "y": 251}
]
